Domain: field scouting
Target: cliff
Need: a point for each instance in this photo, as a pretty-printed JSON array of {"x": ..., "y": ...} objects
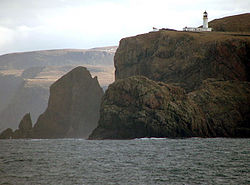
[
  {"x": 137, "y": 107},
  {"x": 178, "y": 84},
  {"x": 184, "y": 58},
  {"x": 73, "y": 107}
]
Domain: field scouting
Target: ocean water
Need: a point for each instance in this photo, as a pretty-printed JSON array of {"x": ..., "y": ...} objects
[{"x": 139, "y": 161}]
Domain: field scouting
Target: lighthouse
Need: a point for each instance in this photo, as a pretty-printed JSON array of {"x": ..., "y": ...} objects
[
  {"x": 205, "y": 20},
  {"x": 200, "y": 29}
]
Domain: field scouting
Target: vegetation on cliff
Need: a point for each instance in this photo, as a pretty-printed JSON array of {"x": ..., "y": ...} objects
[{"x": 235, "y": 23}]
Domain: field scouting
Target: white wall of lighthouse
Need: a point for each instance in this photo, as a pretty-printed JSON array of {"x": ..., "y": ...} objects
[{"x": 205, "y": 20}]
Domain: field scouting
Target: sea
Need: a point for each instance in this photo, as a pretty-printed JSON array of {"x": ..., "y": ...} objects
[{"x": 138, "y": 161}]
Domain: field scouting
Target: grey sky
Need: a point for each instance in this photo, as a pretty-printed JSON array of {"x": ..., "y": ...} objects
[{"x": 49, "y": 24}]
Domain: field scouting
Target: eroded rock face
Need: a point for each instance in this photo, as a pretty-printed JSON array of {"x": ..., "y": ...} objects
[
  {"x": 184, "y": 58},
  {"x": 73, "y": 108},
  {"x": 137, "y": 107}
]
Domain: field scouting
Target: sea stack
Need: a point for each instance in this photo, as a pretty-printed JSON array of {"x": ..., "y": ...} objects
[{"x": 73, "y": 107}]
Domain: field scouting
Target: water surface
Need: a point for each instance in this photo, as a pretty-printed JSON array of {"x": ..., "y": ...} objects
[{"x": 140, "y": 161}]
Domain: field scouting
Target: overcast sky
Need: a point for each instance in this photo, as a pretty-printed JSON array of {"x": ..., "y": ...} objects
[{"x": 27, "y": 25}]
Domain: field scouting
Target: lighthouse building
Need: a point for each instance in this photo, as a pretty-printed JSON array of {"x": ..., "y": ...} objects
[{"x": 204, "y": 27}]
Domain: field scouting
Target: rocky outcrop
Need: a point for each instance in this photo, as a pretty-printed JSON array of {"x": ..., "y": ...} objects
[
  {"x": 184, "y": 58},
  {"x": 235, "y": 23},
  {"x": 137, "y": 107},
  {"x": 73, "y": 108},
  {"x": 24, "y": 130},
  {"x": 7, "y": 134}
]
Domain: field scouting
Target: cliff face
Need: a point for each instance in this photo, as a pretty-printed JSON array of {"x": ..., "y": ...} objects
[
  {"x": 73, "y": 108},
  {"x": 138, "y": 107},
  {"x": 178, "y": 84},
  {"x": 184, "y": 58}
]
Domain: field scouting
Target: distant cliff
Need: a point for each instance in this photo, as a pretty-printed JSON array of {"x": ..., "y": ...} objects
[
  {"x": 184, "y": 58},
  {"x": 73, "y": 109},
  {"x": 60, "y": 57}
]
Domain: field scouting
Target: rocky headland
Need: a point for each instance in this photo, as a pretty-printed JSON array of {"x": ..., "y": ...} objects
[
  {"x": 178, "y": 84},
  {"x": 73, "y": 109}
]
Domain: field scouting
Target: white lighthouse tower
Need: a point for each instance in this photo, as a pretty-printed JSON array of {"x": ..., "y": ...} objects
[
  {"x": 205, "y": 20},
  {"x": 200, "y": 29}
]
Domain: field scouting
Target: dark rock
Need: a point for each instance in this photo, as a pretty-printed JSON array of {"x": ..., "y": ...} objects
[
  {"x": 137, "y": 107},
  {"x": 24, "y": 129},
  {"x": 6, "y": 134},
  {"x": 26, "y": 123},
  {"x": 184, "y": 58},
  {"x": 73, "y": 108}
]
